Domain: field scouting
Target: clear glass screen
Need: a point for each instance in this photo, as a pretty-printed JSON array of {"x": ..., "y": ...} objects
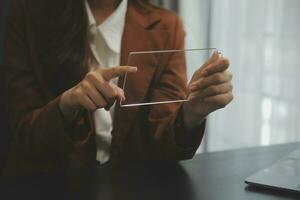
[{"x": 163, "y": 76}]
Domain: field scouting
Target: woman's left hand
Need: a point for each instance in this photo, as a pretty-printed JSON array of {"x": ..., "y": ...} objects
[{"x": 210, "y": 89}]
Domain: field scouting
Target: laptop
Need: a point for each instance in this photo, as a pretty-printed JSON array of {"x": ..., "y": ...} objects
[{"x": 283, "y": 175}]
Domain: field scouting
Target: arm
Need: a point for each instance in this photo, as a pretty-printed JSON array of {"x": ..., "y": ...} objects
[
  {"x": 38, "y": 129},
  {"x": 166, "y": 121},
  {"x": 44, "y": 127}
]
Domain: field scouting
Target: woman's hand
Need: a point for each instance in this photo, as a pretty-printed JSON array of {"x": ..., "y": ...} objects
[
  {"x": 210, "y": 89},
  {"x": 94, "y": 91}
]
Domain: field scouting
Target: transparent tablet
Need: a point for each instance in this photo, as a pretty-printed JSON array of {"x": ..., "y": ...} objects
[{"x": 162, "y": 76}]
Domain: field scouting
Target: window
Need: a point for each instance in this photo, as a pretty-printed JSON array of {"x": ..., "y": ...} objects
[{"x": 261, "y": 38}]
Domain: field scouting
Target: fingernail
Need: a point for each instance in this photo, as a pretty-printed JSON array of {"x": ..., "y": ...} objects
[
  {"x": 133, "y": 69},
  {"x": 214, "y": 55},
  {"x": 122, "y": 97}
]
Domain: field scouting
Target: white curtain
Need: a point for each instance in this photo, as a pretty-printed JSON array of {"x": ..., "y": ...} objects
[{"x": 262, "y": 40}]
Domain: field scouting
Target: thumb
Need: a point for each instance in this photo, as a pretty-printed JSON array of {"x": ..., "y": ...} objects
[
  {"x": 199, "y": 72},
  {"x": 215, "y": 56}
]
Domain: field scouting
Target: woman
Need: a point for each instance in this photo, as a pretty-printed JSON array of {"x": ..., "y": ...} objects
[{"x": 60, "y": 57}]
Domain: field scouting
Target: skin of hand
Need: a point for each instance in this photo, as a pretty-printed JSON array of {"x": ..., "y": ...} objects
[
  {"x": 94, "y": 91},
  {"x": 209, "y": 90}
]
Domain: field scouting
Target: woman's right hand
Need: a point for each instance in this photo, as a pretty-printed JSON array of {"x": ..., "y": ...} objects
[{"x": 94, "y": 91}]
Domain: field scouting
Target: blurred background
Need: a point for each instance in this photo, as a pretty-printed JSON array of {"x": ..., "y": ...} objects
[{"x": 262, "y": 40}]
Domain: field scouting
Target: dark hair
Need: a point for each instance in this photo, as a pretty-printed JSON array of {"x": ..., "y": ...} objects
[
  {"x": 62, "y": 40},
  {"x": 65, "y": 43}
]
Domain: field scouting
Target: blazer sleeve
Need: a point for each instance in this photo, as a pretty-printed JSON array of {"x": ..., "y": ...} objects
[
  {"x": 166, "y": 120},
  {"x": 38, "y": 130}
]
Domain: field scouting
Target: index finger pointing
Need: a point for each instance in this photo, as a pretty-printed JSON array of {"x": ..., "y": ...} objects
[{"x": 114, "y": 72}]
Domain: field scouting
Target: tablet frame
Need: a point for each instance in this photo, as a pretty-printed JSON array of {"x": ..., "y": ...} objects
[{"x": 157, "y": 52}]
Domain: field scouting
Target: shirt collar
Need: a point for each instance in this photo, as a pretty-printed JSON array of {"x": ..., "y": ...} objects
[{"x": 113, "y": 27}]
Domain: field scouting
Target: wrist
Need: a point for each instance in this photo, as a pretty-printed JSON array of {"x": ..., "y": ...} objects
[{"x": 192, "y": 117}]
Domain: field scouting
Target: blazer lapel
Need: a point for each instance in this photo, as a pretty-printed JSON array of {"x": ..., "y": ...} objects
[{"x": 139, "y": 35}]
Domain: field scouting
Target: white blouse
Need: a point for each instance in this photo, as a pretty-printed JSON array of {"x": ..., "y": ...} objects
[{"x": 105, "y": 44}]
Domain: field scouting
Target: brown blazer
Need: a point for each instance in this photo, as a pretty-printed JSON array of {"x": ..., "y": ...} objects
[{"x": 41, "y": 140}]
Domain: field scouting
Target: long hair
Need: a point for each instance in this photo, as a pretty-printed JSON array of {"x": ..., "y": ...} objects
[
  {"x": 61, "y": 40},
  {"x": 65, "y": 46}
]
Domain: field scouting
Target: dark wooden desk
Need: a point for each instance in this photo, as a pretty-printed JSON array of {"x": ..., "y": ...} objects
[{"x": 210, "y": 176}]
